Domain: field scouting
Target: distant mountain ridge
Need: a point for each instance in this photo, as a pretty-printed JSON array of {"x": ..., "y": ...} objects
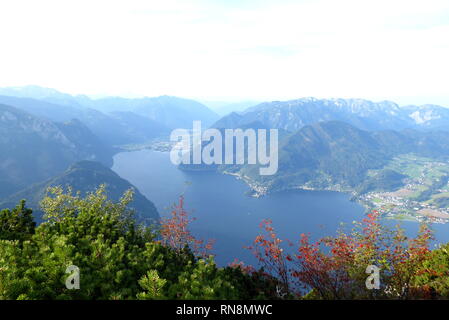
[
  {"x": 225, "y": 108},
  {"x": 86, "y": 176},
  {"x": 44, "y": 94},
  {"x": 334, "y": 155},
  {"x": 294, "y": 114},
  {"x": 114, "y": 128},
  {"x": 172, "y": 112},
  {"x": 323, "y": 142},
  {"x": 34, "y": 149}
]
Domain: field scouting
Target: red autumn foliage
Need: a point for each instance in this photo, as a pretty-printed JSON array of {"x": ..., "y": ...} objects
[
  {"x": 330, "y": 268},
  {"x": 246, "y": 269},
  {"x": 334, "y": 267},
  {"x": 267, "y": 249},
  {"x": 176, "y": 234}
]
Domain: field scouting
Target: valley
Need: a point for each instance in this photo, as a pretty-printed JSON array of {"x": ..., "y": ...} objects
[
  {"x": 237, "y": 152},
  {"x": 421, "y": 194},
  {"x": 424, "y": 195},
  {"x": 324, "y": 145}
]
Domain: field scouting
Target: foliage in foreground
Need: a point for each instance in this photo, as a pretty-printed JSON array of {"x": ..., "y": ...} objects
[
  {"x": 117, "y": 259},
  {"x": 336, "y": 267}
]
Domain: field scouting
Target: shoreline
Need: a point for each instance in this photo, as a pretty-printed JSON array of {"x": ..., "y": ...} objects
[{"x": 256, "y": 190}]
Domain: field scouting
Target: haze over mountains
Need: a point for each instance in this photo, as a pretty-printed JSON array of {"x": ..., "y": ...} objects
[
  {"x": 86, "y": 176},
  {"x": 44, "y": 131},
  {"x": 333, "y": 143},
  {"x": 337, "y": 156},
  {"x": 126, "y": 129},
  {"x": 324, "y": 143},
  {"x": 225, "y": 108},
  {"x": 172, "y": 112},
  {"x": 294, "y": 114},
  {"x": 34, "y": 149}
]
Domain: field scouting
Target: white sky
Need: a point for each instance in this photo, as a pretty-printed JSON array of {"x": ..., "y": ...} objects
[{"x": 230, "y": 49}]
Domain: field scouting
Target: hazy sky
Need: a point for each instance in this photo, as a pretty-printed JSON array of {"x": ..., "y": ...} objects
[{"x": 230, "y": 49}]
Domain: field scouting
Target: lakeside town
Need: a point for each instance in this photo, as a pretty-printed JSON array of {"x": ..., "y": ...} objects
[
  {"x": 398, "y": 207},
  {"x": 423, "y": 176},
  {"x": 423, "y": 198}
]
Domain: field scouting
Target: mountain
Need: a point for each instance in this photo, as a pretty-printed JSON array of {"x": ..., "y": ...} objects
[
  {"x": 320, "y": 155},
  {"x": 429, "y": 116},
  {"x": 128, "y": 127},
  {"x": 44, "y": 109},
  {"x": 43, "y": 94},
  {"x": 172, "y": 112},
  {"x": 386, "y": 179},
  {"x": 34, "y": 149},
  {"x": 294, "y": 114},
  {"x": 336, "y": 155},
  {"x": 86, "y": 176},
  {"x": 225, "y": 108},
  {"x": 86, "y": 142},
  {"x": 138, "y": 128}
]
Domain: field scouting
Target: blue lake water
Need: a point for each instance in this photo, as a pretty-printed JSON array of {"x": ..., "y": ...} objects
[{"x": 226, "y": 214}]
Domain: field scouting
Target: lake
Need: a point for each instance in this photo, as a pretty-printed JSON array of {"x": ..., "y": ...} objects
[{"x": 226, "y": 214}]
